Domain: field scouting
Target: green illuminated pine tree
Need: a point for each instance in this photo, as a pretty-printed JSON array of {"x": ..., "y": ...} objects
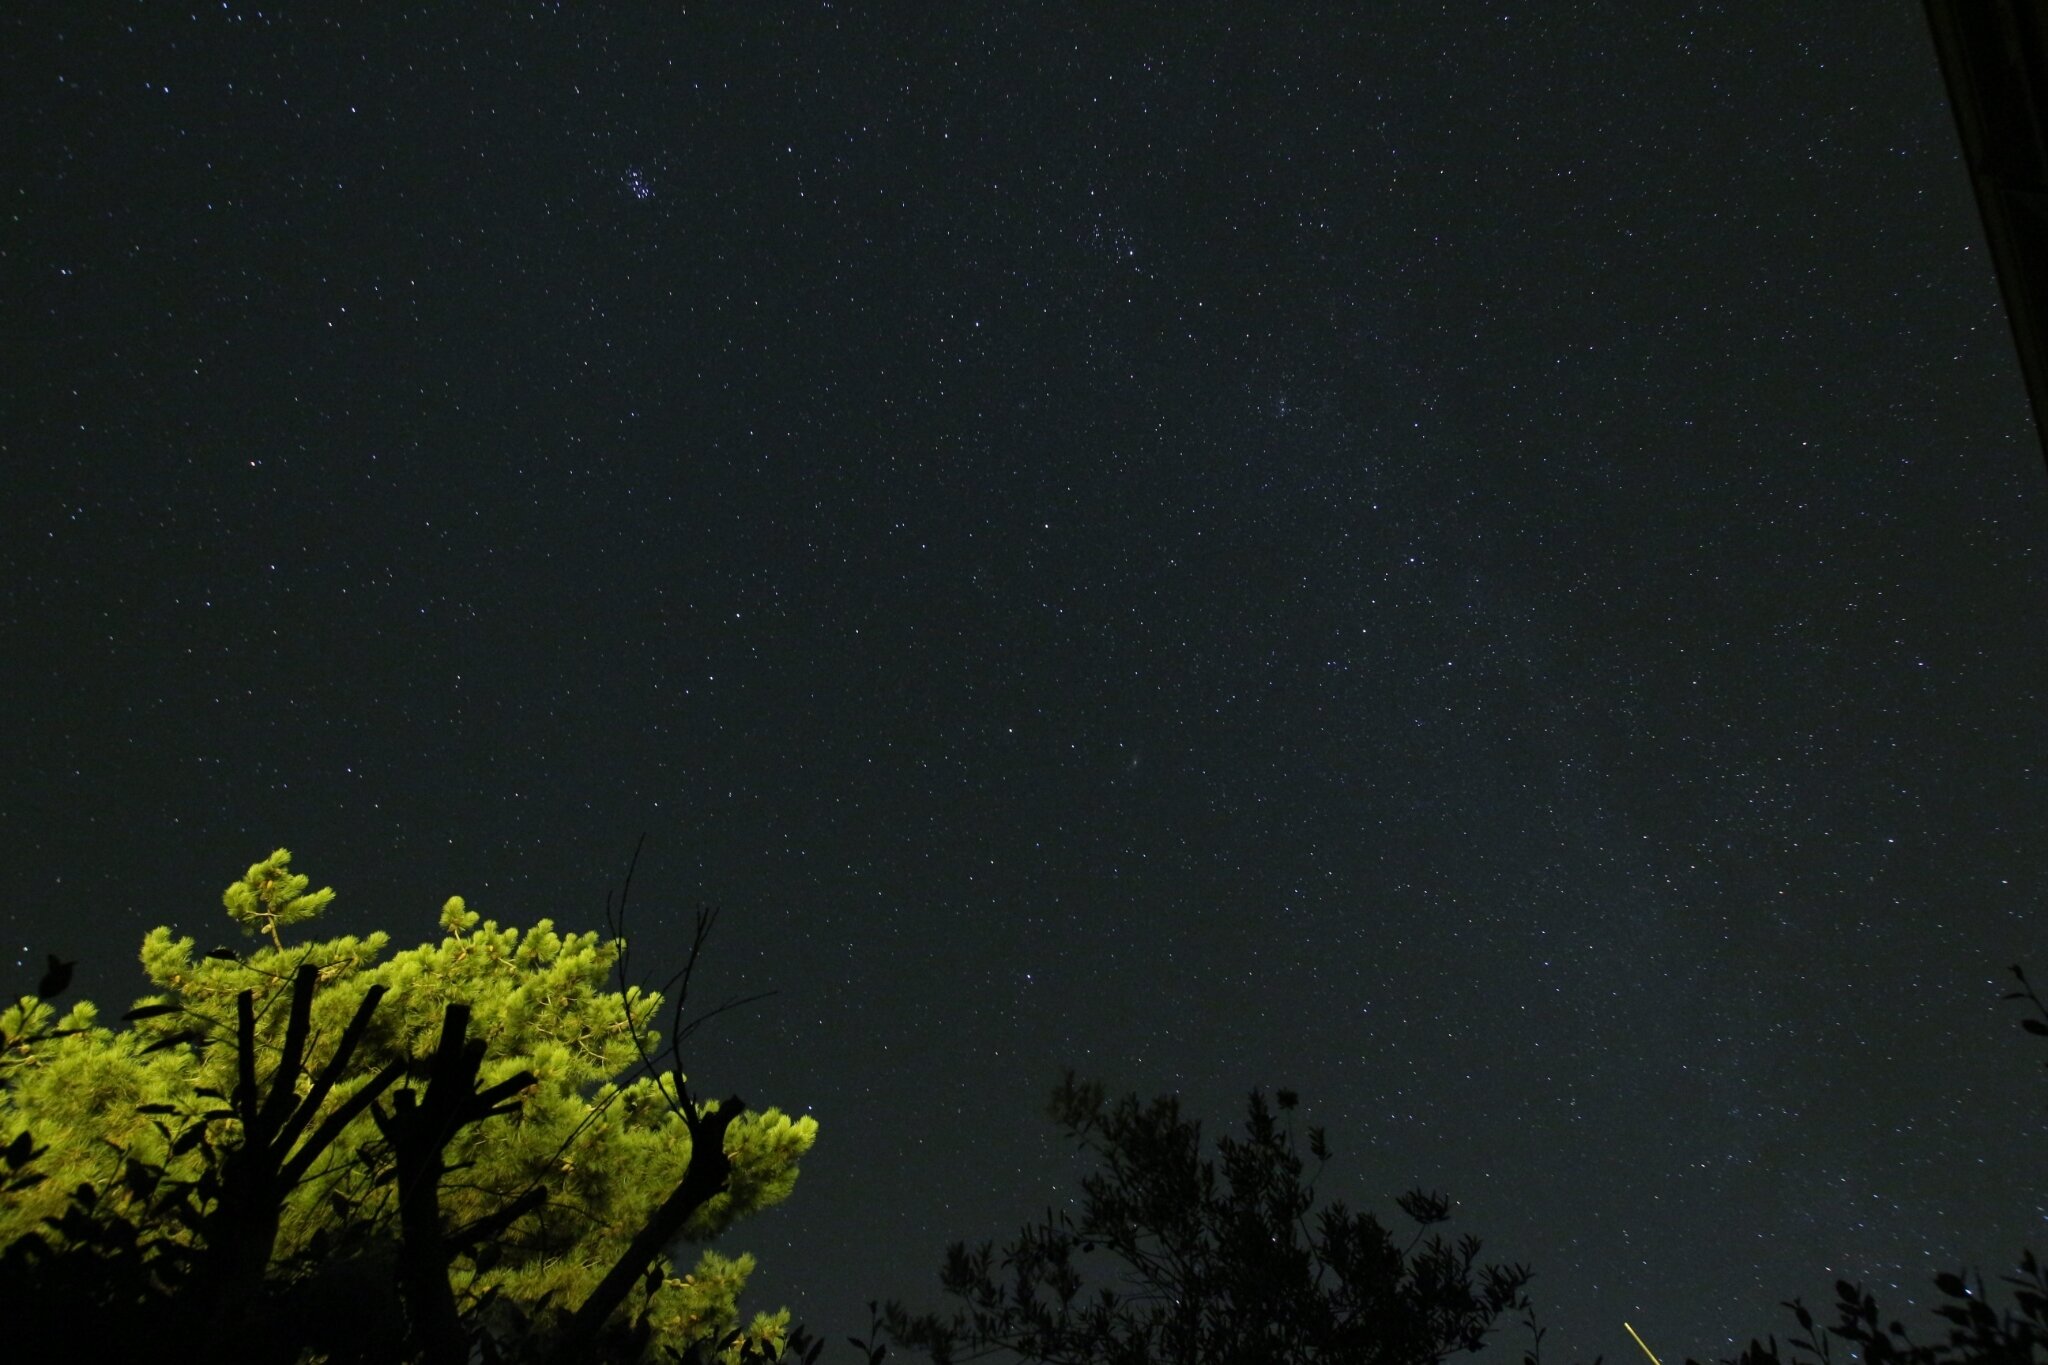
[
  {"x": 544, "y": 1198},
  {"x": 269, "y": 897}
]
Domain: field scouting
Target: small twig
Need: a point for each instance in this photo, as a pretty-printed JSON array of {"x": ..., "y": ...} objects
[{"x": 676, "y": 990}]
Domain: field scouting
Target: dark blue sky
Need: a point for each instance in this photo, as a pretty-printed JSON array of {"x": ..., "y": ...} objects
[{"x": 1481, "y": 564}]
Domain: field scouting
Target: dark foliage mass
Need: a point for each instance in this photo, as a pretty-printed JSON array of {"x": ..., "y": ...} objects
[{"x": 1218, "y": 1259}]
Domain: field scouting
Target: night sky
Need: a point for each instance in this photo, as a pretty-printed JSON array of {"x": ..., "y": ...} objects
[{"x": 1478, "y": 562}]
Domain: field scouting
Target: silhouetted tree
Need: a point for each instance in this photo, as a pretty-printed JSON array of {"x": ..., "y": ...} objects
[
  {"x": 1978, "y": 1334},
  {"x": 1219, "y": 1266}
]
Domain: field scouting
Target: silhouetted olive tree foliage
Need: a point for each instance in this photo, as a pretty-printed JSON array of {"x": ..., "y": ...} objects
[
  {"x": 1217, "y": 1261},
  {"x": 1977, "y": 1334}
]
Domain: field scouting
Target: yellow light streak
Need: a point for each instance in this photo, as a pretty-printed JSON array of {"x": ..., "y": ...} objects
[{"x": 1645, "y": 1345}]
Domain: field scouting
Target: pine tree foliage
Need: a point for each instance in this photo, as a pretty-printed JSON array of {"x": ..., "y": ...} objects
[
  {"x": 1218, "y": 1259},
  {"x": 585, "y": 1153},
  {"x": 270, "y": 897}
]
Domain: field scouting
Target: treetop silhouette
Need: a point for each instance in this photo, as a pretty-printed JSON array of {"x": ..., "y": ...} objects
[{"x": 1218, "y": 1259}]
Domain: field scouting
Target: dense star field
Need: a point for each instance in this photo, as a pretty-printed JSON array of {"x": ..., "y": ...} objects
[{"x": 1481, "y": 563}]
